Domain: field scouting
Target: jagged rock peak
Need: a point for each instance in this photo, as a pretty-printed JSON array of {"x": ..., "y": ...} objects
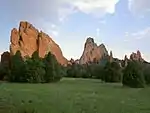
[
  {"x": 136, "y": 56},
  {"x": 92, "y": 52},
  {"x": 27, "y": 39},
  {"x": 89, "y": 40}
]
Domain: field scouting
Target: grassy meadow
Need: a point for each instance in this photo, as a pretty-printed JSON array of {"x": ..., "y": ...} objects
[{"x": 73, "y": 96}]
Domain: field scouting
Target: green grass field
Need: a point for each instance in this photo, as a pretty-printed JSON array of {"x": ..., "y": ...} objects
[{"x": 73, "y": 96}]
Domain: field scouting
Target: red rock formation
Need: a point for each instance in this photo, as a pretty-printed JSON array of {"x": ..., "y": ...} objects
[
  {"x": 136, "y": 56},
  {"x": 28, "y": 40},
  {"x": 92, "y": 52},
  {"x": 72, "y": 61},
  {"x": 77, "y": 61}
]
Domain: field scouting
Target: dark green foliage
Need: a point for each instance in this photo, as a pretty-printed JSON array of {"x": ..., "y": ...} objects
[
  {"x": 35, "y": 69},
  {"x": 3, "y": 72},
  {"x": 133, "y": 75},
  {"x": 112, "y": 72},
  {"x": 77, "y": 71},
  {"x": 52, "y": 68},
  {"x": 146, "y": 72},
  {"x": 18, "y": 69},
  {"x": 85, "y": 71},
  {"x": 96, "y": 71}
]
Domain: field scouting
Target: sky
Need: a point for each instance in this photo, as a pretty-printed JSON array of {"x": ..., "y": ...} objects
[{"x": 122, "y": 25}]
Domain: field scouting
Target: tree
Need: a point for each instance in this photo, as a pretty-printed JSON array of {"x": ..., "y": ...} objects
[
  {"x": 18, "y": 69},
  {"x": 35, "y": 69},
  {"x": 52, "y": 68},
  {"x": 133, "y": 75},
  {"x": 112, "y": 72},
  {"x": 96, "y": 71},
  {"x": 146, "y": 72}
]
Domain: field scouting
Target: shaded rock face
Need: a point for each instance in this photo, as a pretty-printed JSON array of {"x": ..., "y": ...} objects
[
  {"x": 72, "y": 61},
  {"x": 92, "y": 52},
  {"x": 136, "y": 56},
  {"x": 5, "y": 59},
  {"x": 28, "y": 40}
]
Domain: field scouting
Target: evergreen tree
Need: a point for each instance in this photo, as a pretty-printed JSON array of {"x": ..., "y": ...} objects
[
  {"x": 52, "y": 68},
  {"x": 35, "y": 69},
  {"x": 112, "y": 72},
  {"x": 18, "y": 69},
  {"x": 133, "y": 75}
]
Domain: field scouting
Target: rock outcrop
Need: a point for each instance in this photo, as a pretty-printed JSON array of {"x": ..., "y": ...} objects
[
  {"x": 28, "y": 40},
  {"x": 72, "y": 61},
  {"x": 92, "y": 52},
  {"x": 136, "y": 56}
]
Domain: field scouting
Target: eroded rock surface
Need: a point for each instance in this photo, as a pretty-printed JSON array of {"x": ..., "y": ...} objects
[
  {"x": 92, "y": 52},
  {"x": 27, "y": 39}
]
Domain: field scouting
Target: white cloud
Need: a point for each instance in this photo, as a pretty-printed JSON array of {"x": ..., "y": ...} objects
[
  {"x": 139, "y": 7},
  {"x": 138, "y": 41},
  {"x": 96, "y": 7},
  {"x": 64, "y": 12},
  {"x": 142, "y": 34},
  {"x": 139, "y": 35}
]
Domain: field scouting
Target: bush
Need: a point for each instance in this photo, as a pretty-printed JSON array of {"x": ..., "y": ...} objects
[
  {"x": 96, "y": 71},
  {"x": 112, "y": 72},
  {"x": 133, "y": 75},
  {"x": 85, "y": 71},
  {"x": 146, "y": 72}
]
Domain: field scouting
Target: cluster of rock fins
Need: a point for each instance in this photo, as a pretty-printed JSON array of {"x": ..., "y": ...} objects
[{"x": 27, "y": 39}]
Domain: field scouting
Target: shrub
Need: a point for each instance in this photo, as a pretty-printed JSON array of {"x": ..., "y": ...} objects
[
  {"x": 112, "y": 72},
  {"x": 146, "y": 72},
  {"x": 133, "y": 75}
]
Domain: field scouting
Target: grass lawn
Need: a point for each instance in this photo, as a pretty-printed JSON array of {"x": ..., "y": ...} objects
[{"x": 73, "y": 96}]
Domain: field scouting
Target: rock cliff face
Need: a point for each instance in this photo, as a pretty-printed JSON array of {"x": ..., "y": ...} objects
[
  {"x": 27, "y": 39},
  {"x": 92, "y": 52}
]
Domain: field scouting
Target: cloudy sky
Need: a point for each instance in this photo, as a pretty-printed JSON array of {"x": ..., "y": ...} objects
[{"x": 122, "y": 25}]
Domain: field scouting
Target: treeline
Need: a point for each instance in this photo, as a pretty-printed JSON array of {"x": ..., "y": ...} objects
[
  {"x": 135, "y": 74},
  {"x": 110, "y": 72},
  {"x": 32, "y": 70},
  {"x": 44, "y": 70}
]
